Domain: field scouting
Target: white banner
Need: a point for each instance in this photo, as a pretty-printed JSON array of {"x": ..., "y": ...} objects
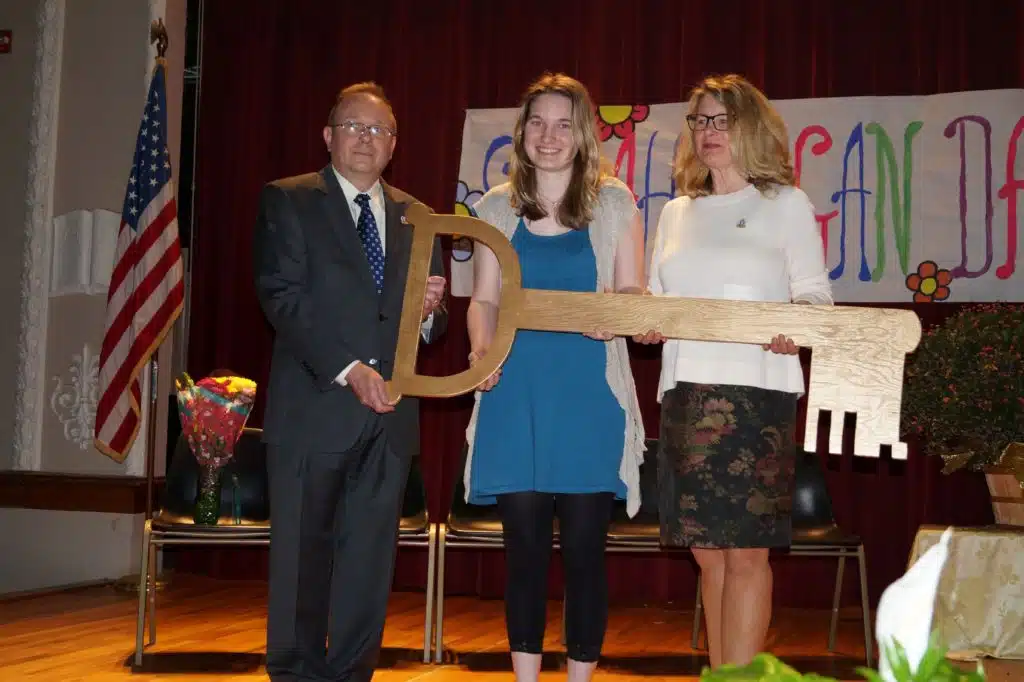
[{"x": 917, "y": 197}]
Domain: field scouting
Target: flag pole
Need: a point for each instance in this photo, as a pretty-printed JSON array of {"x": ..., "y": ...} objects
[
  {"x": 130, "y": 583},
  {"x": 158, "y": 35},
  {"x": 154, "y": 402}
]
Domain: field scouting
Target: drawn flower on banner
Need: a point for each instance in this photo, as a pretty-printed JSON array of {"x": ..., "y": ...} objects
[
  {"x": 620, "y": 120},
  {"x": 462, "y": 247},
  {"x": 930, "y": 283}
]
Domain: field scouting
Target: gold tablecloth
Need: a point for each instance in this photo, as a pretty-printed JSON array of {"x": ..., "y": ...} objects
[{"x": 979, "y": 608}]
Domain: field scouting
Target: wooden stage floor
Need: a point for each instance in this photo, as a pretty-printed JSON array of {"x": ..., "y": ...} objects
[{"x": 214, "y": 631}]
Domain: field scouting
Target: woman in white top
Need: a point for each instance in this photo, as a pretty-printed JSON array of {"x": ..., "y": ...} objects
[{"x": 741, "y": 230}]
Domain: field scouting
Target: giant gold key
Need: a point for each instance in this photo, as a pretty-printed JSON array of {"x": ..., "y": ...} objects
[{"x": 857, "y": 360}]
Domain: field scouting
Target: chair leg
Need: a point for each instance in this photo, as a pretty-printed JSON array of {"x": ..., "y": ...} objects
[
  {"x": 144, "y": 585},
  {"x": 439, "y": 617},
  {"x": 429, "y": 609},
  {"x": 698, "y": 612},
  {"x": 153, "y": 553},
  {"x": 864, "y": 606},
  {"x": 835, "y": 602}
]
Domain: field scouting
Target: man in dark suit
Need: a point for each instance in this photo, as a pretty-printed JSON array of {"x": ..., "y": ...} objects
[{"x": 331, "y": 256}]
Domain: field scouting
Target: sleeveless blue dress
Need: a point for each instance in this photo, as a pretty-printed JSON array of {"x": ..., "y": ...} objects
[{"x": 551, "y": 424}]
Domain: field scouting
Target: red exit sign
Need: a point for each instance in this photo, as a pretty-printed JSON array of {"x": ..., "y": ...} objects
[{"x": 5, "y": 41}]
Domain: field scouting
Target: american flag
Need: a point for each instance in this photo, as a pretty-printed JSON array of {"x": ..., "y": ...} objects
[{"x": 147, "y": 283}]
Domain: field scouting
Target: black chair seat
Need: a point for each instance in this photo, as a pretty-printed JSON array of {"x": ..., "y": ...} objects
[
  {"x": 642, "y": 528},
  {"x": 170, "y": 522},
  {"x": 474, "y": 522},
  {"x": 414, "y": 525},
  {"x": 488, "y": 528},
  {"x": 825, "y": 535},
  {"x": 482, "y": 523}
]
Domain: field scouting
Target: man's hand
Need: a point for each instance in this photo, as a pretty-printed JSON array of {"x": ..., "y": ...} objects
[
  {"x": 370, "y": 388},
  {"x": 434, "y": 294}
]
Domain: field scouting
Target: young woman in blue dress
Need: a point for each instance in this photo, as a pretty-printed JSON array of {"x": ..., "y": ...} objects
[{"x": 557, "y": 430}]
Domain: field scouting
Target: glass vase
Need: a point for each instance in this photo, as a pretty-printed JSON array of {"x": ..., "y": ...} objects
[{"x": 207, "y": 509}]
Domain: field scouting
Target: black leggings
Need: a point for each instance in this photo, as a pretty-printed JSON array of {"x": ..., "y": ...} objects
[{"x": 527, "y": 521}]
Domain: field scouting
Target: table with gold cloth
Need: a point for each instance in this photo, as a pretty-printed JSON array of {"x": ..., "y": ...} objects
[{"x": 979, "y": 608}]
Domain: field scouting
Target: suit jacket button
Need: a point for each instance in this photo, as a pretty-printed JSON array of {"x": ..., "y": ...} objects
[{"x": 382, "y": 317}]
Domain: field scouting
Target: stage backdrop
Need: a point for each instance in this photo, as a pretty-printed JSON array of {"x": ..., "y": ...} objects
[{"x": 917, "y": 197}]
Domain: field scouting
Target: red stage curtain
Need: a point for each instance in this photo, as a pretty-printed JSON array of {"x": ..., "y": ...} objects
[{"x": 270, "y": 72}]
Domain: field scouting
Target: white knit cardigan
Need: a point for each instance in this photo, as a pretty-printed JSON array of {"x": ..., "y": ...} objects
[{"x": 613, "y": 214}]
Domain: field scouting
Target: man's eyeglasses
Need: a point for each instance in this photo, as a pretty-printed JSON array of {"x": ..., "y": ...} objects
[
  {"x": 701, "y": 122},
  {"x": 355, "y": 128}
]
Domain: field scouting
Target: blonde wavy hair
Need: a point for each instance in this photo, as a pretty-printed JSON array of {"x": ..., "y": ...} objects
[
  {"x": 757, "y": 138},
  {"x": 577, "y": 207}
]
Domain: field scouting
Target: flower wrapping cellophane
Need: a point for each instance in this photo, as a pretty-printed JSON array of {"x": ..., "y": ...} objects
[{"x": 213, "y": 414}]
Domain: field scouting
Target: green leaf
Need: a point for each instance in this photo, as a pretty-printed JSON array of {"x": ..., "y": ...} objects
[
  {"x": 897, "y": 657},
  {"x": 932, "y": 660},
  {"x": 869, "y": 674},
  {"x": 764, "y": 668}
]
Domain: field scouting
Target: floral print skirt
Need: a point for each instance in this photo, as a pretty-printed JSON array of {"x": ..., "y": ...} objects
[{"x": 725, "y": 466}]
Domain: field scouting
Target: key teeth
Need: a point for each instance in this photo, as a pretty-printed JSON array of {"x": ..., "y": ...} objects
[
  {"x": 835, "y": 438},
  {"x": 811, "y": 431}
]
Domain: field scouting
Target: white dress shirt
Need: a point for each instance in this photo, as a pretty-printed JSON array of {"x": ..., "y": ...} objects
[
  {"x": 743, "y": 246},
  {"x": 376, "y": 193}
]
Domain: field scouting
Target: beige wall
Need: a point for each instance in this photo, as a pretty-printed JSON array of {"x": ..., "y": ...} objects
[{"x": 79, "y": 98}]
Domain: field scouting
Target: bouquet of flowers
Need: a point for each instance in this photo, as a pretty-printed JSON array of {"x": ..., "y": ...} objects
[{"x": 213, "y": 414}]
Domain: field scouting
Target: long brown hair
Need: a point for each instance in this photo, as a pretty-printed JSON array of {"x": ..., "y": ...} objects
[
  {"x": 757, "y": 136},
  {"x": 577, "y": 207}
]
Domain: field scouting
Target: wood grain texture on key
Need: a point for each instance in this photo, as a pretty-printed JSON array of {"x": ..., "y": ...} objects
[{"x": 857, "y": 358}]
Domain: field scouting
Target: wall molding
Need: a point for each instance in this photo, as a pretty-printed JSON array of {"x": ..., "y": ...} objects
[
  {"x": 76, "y": 492},
  {"x": 83, "y": 245},
  {"x": 35, "y": 282},
  {"x": 74, "y": 398}
]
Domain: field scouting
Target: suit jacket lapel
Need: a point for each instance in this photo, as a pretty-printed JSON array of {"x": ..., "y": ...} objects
[
  {"x": 398, "y": 241},
  {"x": 344, "y": 226}
]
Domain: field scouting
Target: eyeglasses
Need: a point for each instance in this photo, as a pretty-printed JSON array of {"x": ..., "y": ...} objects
[
  {"x": 355, "y": 128},
  {"x": 700, "y": 121}
]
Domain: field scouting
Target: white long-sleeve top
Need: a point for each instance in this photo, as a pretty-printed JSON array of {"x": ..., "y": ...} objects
[{"x": 745, "y": 246}]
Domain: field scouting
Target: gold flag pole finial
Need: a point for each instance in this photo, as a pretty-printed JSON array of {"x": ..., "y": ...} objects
[{"x": 158, "y": 35}]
